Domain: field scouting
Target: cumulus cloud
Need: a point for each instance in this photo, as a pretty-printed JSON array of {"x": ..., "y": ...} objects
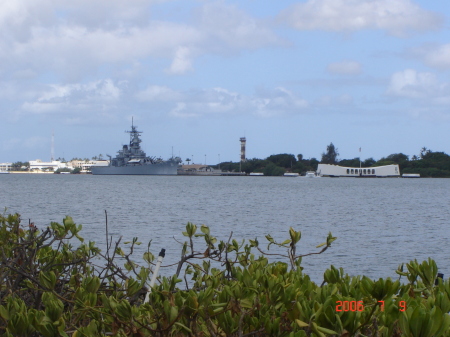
[
  {"x": 228, "y": 29},
  {"x": 74, "y": 98},
  {"x": 19, "y": 17},
  {"x": 181, "y": 62},
  {"x": 418, "y": 85},
  {"x": 107, "y": 14},
  {"x": 222, "y": 102},
  {"x": 181, "y": 111},
  {"x": 209, "y": 102},
  {"x": 158, "y": 93},
  {"x": 93, "y": 100},
  {"x": 78, "y": 50},
  {"x": 345, "y": 68},
  {"x": 83, "y": 36},
  {"x": 279, "y": 101},
  {"x": 398, "y": 17},
  {"x": 436, "y": 56}
]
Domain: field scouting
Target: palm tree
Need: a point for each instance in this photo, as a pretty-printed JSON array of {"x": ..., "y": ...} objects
[
  {"x": 330, "y": 157},
  {"x": 424, "y": 151}
]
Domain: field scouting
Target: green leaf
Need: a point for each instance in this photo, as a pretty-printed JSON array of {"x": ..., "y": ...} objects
[
  {"x": 205, "y": 229},
  {"x": 301, "y": 324},
  {"x": 327, "y": 331},
  {"x": 184, "y": 327}
]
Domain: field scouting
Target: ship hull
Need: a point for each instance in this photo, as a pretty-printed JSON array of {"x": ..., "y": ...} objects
[{"x": 167, "y": 168}]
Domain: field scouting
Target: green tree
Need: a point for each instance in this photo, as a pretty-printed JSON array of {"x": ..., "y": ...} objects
[
  {"x": 300, "y": 168},
  {"x": 273, "y": 170},
  {"x": 330, "y": 156},
  {"x": 424, "y": 151},
  {"x": 229, "y": 166},
  {"x": 20, "y": 166},
  {"x": 63, "y": 169},
  {"x": 396, "y": 158},
  {"x": 253, "y": 165},
  {"x": 368, "y": 162},
  {"x": 283, "y": 160},
  {"x": 349, "y": 162}
]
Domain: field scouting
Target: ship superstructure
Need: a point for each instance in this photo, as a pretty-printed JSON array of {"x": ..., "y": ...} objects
[{"x": 131, "y": 159}]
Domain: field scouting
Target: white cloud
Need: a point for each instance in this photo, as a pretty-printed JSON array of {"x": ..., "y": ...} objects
[
  {"x": 398, "y": 17},
  {"x": 435, "y": 56},
  {"x": 280, "y": 101},
  {"x": 77, "y": 49},
  {"x": 97, "y": 99},
  {"x": 222, "y": 102},
  {"x": 410, "y": 83},
  {"x": 345, "y": 68},
  {"x": 228, "y": 29},
  {"x": 181, "y": 111},
  {"x": 208, "y": 102},
  {"x": 74, "y": 39},
  {"x": 74, "y": 98},
  {"x": 107, "y": 14},
  {"x": 419, "y": 85},
  {"x": 158, "y": 93},
  {"x": 19, "y": 16},
  {"x": 182, "y": 62}
]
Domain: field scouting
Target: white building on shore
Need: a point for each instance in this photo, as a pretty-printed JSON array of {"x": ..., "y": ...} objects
[
  {"x": 51, "y": 166},
  {"x": 327, "y": 170},
  {"x": 85, "y": 166},
  {"x": 5, "y": 167},
  {"x": 42, "y": 166}
]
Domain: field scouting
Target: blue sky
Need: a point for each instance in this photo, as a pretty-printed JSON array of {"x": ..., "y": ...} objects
[{"x": 290, "y": 76}]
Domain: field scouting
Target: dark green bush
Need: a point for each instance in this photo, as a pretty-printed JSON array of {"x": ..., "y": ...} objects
[{"x": 49, "y": 287}]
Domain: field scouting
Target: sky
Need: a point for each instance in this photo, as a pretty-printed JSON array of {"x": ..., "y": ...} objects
[{"x": 196, "y": 75}]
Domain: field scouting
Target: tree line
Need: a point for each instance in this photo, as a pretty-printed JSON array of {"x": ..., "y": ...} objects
[{"x": 428, "y": 163}]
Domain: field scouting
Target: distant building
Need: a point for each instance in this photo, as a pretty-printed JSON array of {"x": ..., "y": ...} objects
[
  {"x": 85, "y": 165},
  {"x": 327, "y": 170},
  {"x": 5, "y": 167},
  {"x": 42, "y": 166}
]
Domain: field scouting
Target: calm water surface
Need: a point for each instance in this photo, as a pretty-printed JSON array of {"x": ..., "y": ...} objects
[{"x": 380, "y": 223}]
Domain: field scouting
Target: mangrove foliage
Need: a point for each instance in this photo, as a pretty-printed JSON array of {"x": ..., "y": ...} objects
[{"x": 53, "y": 283}]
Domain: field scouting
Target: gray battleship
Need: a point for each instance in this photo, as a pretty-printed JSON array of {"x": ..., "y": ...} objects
[{"x": 132, "y": 160}]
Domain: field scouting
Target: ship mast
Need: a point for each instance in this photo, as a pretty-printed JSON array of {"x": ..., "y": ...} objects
[{"x": 135, "y": 140}]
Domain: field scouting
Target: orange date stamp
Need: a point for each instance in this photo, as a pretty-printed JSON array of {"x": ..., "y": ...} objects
[{"x": 359, "y": 305}]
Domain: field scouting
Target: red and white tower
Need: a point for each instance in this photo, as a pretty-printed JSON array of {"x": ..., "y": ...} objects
[{"x": 243, "y": 140}]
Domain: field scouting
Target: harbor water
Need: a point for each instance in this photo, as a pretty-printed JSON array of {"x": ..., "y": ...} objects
[{"x": 379, "y": 223}]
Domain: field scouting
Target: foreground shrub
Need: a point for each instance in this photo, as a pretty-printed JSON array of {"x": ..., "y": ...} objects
[{"x": 51, "y": 288}]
